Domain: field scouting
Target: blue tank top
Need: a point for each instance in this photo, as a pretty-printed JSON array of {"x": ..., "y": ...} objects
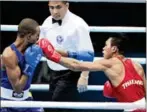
[{"x": 4, "y": 78}]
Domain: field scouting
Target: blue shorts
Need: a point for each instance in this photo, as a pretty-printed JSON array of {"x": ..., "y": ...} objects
[{"x": 21, "y": 109}]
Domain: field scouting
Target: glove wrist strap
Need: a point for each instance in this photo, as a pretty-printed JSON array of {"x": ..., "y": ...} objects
[{"x": 28, "y": 70}]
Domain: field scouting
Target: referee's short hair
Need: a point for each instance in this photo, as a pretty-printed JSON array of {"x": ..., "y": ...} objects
[{"x": 61, "y": 1}]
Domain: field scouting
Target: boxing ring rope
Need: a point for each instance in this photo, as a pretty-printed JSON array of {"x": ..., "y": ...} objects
[
  {"x": 45, "y": 87},
  {"x": 115, "y": 1},
  {"x": 92, "y": 29},
  {"x": 72, "y": 105}
]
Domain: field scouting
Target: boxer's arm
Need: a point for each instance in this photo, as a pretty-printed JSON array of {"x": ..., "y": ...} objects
[
  {"x": 84, "y": 74},
  {"x": 17, "y": 80},
  {"x": 62, "y": 53},
  {"x": 75, "y": 65},
  {"x": 140, "y": 71}
]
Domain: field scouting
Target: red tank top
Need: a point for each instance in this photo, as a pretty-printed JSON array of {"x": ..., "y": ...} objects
[{"x": 131, "y": 88}]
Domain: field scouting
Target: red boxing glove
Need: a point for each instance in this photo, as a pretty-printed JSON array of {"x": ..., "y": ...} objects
[
  {"x": 49, "y": 50},
  {"x": 108, "y": 90}
]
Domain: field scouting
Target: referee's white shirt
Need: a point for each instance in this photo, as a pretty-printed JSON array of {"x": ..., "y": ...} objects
[{"x": 72, "y": 35}]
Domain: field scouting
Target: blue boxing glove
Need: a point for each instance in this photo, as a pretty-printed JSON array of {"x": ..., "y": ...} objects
[
  {"x": 82, "y": 55},
  {"x": 32, "y": 56}
]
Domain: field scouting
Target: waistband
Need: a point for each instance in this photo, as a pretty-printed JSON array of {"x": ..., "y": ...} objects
[
  {"x": 12, "y": 95},
  {"x": 137, "y": 102}
]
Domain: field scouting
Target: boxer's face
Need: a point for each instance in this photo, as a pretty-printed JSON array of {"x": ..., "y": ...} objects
[
  {"x": 108, "y": 50},
  {"x": 58, "y": 9},
  {"x": 34, "y": 37}
]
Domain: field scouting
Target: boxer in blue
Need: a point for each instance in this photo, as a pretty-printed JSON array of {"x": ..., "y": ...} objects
[{"x": 18, "y": 62}]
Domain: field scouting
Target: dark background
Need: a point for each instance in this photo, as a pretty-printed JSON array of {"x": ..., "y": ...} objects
[{"x": 95, "y": 14}]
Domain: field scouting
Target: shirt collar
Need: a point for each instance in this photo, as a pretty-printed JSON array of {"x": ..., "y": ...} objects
[{"x": 66, "y": 17}]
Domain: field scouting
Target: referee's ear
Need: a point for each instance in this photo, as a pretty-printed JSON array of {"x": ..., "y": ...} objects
[{"x": 67, "y": 4}]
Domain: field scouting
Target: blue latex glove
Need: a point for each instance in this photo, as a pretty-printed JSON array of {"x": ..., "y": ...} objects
[
  {"x": 32, "y": 56},
  {"x": 82, "y": 55}
]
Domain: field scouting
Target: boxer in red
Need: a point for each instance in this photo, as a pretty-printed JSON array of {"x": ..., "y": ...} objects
[{"x": 126, "y": 77}]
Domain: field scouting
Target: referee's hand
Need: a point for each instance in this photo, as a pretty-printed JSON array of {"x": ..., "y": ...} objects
[{"x": 82, "y": 84}]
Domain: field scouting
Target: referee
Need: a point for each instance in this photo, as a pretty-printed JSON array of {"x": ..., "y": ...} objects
[{"x": 69, "y": 34}]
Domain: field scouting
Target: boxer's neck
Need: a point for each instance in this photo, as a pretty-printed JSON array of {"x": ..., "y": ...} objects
[{"x": 20, "y": 44}]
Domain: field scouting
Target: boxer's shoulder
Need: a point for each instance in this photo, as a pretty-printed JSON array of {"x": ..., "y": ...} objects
[{"x": 8, "y": 56}]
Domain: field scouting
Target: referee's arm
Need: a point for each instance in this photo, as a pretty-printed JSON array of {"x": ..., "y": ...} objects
[
  {"x": 85, "y": 47},
  {"x": 85, "y": 50}
]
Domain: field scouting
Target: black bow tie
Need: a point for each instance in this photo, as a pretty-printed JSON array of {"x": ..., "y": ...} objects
[{"x": 57, "y": 21}]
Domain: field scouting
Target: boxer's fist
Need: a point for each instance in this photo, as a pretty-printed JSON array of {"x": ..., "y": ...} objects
[
  {"x": 32, "y": 56},
  {"x": 108, "y": 90},
  {"x": 49, "y": 50}
]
